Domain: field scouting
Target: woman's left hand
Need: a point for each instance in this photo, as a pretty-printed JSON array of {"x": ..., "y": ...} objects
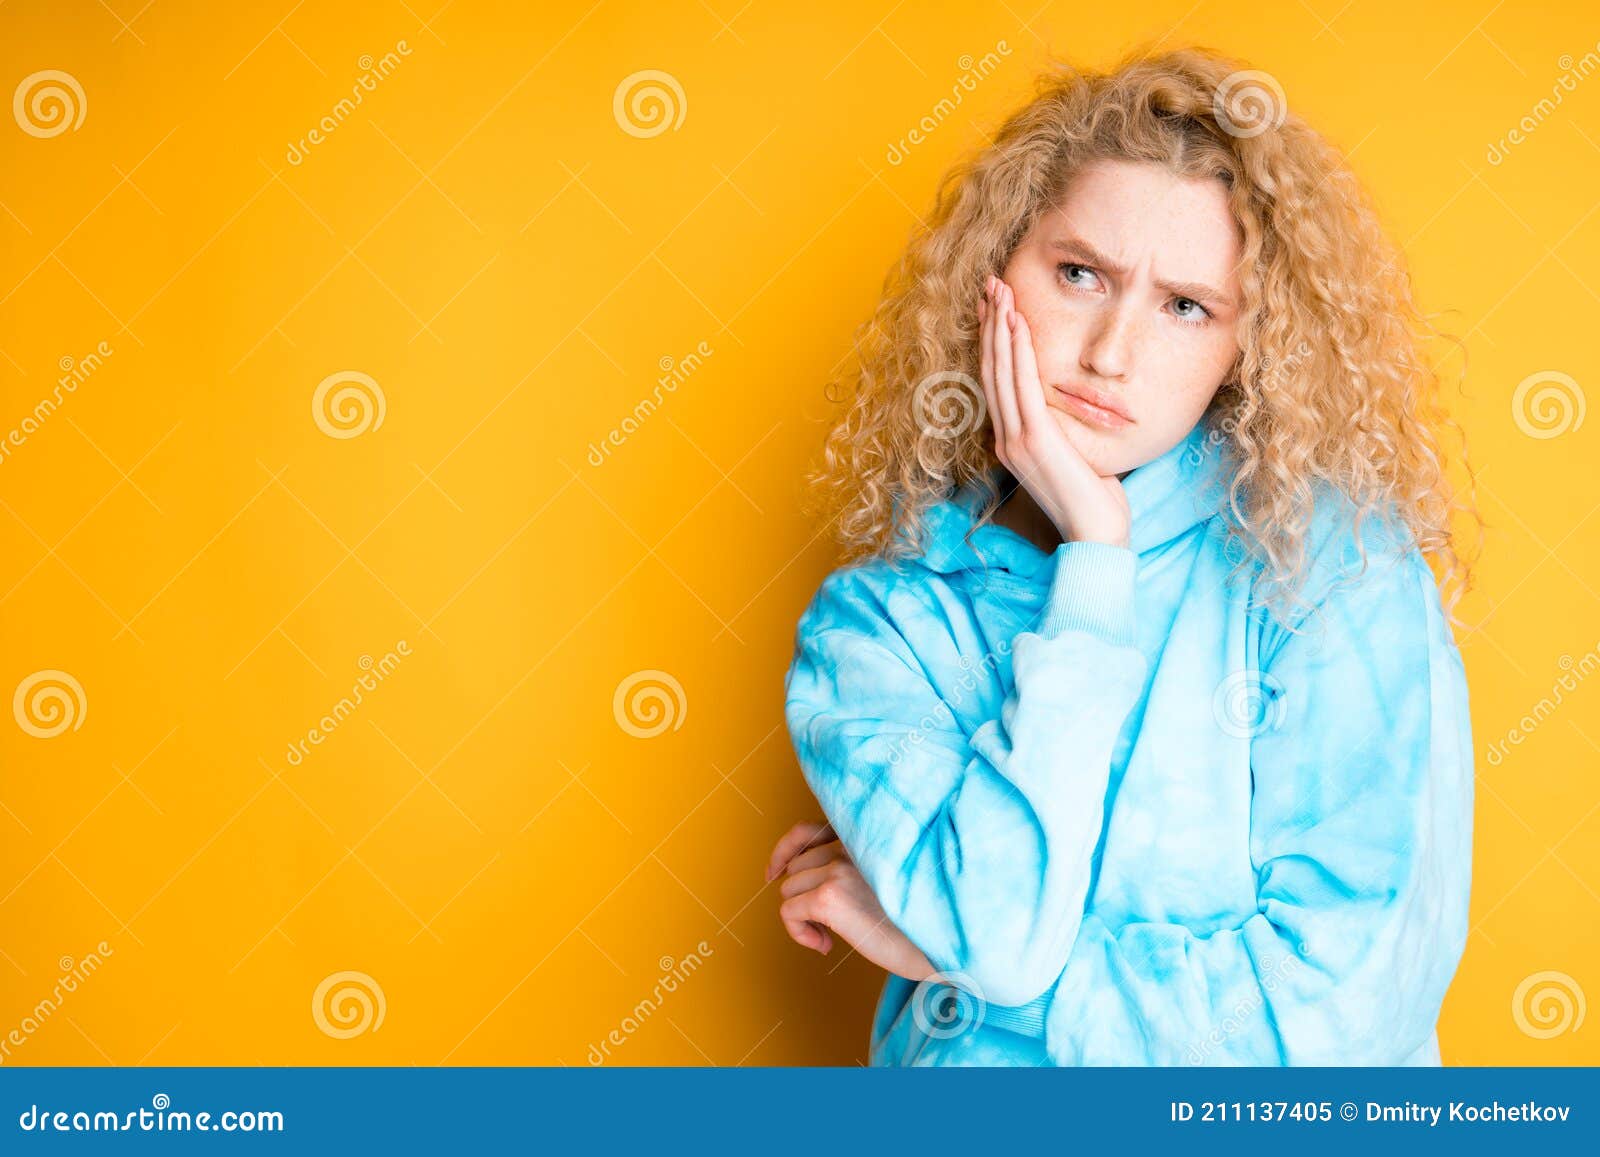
[{"x": 826, "y": 895}]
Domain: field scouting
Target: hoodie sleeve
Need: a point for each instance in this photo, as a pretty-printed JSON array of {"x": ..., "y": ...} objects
[
  {"x": 978, "y": 846},
  {"x": 1360, "y": 840}
]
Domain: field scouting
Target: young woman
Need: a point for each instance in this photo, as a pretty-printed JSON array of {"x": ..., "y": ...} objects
[{"x": 1134, "y": 711}]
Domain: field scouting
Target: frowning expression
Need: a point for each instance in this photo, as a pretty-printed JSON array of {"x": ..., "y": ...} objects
[{"x": 1130, "y": 286}]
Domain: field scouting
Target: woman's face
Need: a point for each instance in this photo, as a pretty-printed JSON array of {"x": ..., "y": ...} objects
[{"x": 1130, "y": 289}]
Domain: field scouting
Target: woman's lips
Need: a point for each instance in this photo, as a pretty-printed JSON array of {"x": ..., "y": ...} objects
[{"x": 1091, "y": 413}]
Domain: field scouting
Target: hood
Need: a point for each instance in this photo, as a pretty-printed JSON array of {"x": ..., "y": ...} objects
[{"x": 1167, "y": 496}]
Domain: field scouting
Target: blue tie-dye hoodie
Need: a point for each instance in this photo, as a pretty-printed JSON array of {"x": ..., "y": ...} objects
[{"x": 1129, "y": 816}]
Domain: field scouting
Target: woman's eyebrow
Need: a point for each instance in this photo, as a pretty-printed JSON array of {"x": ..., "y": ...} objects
[{"x": 1089, "y": 255}]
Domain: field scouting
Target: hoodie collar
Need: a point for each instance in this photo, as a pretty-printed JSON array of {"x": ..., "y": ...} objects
[{"x": 1166, "y": 497}]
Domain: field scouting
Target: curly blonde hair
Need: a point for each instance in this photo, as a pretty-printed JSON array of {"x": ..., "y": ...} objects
[{"x": 1330, "y": 382}]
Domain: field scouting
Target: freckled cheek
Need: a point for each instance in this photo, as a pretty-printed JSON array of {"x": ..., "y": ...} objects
[
  {"x": 1186, "y": 366},
  {"x": 1218, "y": 358},
  {"x": 1180, "y": 361},
  {"x": 1057, "y": 342}
]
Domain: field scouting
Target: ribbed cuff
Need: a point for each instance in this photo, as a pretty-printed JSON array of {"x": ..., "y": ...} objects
[
  {"x": 1092, "y": 591},
  {"x": 1027, "y": 1019}
]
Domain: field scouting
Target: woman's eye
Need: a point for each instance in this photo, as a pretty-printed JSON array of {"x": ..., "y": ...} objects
[
  {"x": 1189, "y": 311},
  {"x": 1069, "y": 268}
]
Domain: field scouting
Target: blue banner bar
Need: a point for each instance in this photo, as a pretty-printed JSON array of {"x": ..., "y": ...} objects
[{"x": 748, "y": 1110}]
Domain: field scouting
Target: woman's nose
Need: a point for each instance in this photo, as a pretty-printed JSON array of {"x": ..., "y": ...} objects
[{"x": 1109, "y": 349}]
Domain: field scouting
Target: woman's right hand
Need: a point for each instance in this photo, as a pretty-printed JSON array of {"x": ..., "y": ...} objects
[
  {"x": 825, "y": 894},
  {"x": 1084, "y": 506}
]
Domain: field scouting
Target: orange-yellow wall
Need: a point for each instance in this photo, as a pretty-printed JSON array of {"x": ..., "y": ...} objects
[{"x": 480, "y": 236}]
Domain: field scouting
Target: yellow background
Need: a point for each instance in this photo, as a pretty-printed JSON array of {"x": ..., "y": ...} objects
[{"x": 481, "y": 237}]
